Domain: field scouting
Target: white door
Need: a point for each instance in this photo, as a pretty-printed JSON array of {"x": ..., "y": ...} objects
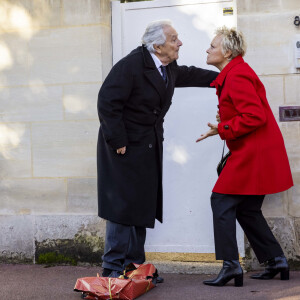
[{"x": 189, "y": 168}]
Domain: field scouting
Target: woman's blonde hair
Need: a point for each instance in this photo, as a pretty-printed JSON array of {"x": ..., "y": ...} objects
[{"x": 233, "y": 40}]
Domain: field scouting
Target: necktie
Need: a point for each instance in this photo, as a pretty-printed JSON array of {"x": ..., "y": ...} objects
[{"x": 164, "y": 73}]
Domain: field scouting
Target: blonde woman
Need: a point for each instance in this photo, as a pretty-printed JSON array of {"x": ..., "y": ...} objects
[{"x": 258, "y": 164}]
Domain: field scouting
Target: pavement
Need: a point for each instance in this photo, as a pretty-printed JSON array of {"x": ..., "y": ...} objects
[{"x": 46, "y": 283}]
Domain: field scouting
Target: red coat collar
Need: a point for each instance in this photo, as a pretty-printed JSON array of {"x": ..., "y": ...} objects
[{"x": 222, "y": 75}]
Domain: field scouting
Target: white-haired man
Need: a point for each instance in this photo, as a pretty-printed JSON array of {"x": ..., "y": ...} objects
[{"x": 132, "y": 103}]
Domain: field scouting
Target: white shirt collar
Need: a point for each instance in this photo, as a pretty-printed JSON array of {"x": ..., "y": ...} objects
[{"x": 157, "y": 62}]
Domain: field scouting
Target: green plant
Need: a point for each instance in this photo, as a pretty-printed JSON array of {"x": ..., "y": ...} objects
[{"x": 52, "y": 258}]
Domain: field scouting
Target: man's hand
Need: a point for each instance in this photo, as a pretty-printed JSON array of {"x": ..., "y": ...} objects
[
  {"x": 212, "y": 131},
  {"x": 121, "y": 150},
  {"x": 218, "y": 117}
]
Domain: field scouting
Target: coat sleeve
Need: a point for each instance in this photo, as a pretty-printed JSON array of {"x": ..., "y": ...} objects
[
  {"x": 194, "y": 77},
  {"x": 112, "y": 97},
  {"x": 250, "y": 111}
]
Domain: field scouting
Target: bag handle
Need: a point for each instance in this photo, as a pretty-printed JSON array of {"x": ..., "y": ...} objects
[{"x": 223, "y": 150}]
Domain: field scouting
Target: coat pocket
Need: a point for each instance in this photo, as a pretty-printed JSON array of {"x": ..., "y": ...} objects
[{"x": 134, "y": 139}]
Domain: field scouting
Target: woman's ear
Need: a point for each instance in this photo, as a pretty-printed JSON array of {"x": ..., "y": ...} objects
[{"x": 228, "y": 54}]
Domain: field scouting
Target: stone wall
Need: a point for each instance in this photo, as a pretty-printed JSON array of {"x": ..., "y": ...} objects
[
  {"x": 269, "y": 28},
  {"x": 54, "y": 55}
]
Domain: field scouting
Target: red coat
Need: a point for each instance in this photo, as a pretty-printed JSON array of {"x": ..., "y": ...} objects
[{"x": 259, "y": 164}]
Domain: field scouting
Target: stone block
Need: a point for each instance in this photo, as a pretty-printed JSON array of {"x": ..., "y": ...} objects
[
  {"x": 292, "y": 90},
  {"x": 32, "y": 196},
  {"x": 297, "y": 230},
  {"x": 67, "y": 226},
  {"x": 15, "y": 150},
  {"x": 33, "y": 103},
  {"x": 16, "y": 239},
  {"x": 13, "y": 60},
  {"x": 80, "y": 101},
  {"x": 269, "y": 51},
  {"x": 291, "y": 135},
  {"x": 82, "y": 195},
  {"x": 80, "y": 12},
  {"x": 76, "y": 52},
  {"x": 76, "y": 238},
  {"x": 275, "y": 94},
  {"x": 64, "y": 149},
  {"x": 31, "y": 14},
  {"x": 105, "y": 12},
  {"x": 284, "y": 231},
  {"x": 294, "y": 196},
  {"x": 266, "y": 6},
  {"x": 106, "y": 51},
  {"x": 250, "y": 260},
  {"x": 46, "y": 13},
  {"x": 275, "y": 205}
]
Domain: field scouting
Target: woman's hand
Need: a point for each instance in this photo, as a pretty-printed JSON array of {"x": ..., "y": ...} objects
[
  {"x": 218, "y": 117},
  {"x": 212, "y": 131}
]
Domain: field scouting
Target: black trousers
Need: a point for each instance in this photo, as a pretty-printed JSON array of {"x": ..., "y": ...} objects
[
  {"x": 247, "y": 210},
  {"x": 123, "y": 245}
]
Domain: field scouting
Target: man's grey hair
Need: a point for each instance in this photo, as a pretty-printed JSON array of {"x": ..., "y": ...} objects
[{"x": 154, "y": 34}]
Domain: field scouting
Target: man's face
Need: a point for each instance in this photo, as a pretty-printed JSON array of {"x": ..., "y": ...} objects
[{"x": 168, "y": 52}]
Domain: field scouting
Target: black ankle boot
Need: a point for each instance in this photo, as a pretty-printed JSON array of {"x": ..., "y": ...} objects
[
  {"x": 274, "y": 266},
  {"x": 231, "y": 270}
]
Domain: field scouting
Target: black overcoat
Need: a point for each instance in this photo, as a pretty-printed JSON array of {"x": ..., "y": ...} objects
[{"x": 132, "y": 103}]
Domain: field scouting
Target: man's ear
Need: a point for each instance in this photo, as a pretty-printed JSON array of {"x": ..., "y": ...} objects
[{"x": 157, "y": 48}]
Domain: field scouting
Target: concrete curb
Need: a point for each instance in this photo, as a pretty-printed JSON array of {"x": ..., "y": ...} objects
[{"x": 186, "y": 267}]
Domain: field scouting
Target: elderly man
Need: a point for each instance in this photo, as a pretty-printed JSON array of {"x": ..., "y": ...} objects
[{"x": 132, "y": 103}]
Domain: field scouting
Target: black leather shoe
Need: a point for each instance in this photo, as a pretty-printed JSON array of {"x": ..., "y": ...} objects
[
  {"x": 159, "y": 279},
  {"x": 106, "y": 272},
  {"x": 111, "y": 273},
  {"x": 155, "y": 278},
  {"x": 115, "y": 274},
  {"x": 231, "y": 270},
  {"x": 274, "y": 266}
]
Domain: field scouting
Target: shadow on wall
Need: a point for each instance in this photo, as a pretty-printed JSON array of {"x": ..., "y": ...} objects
[
  {"x": 17, "y": 27},
  {"x": 16, "y": 21},
  {"x": 10, "y": 137}
]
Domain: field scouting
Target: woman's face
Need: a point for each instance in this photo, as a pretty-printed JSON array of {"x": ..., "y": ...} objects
[{"x": 215, "y": 55}]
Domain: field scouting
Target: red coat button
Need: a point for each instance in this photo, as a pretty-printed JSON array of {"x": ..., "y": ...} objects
[{"x": 226, "y": 127}]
